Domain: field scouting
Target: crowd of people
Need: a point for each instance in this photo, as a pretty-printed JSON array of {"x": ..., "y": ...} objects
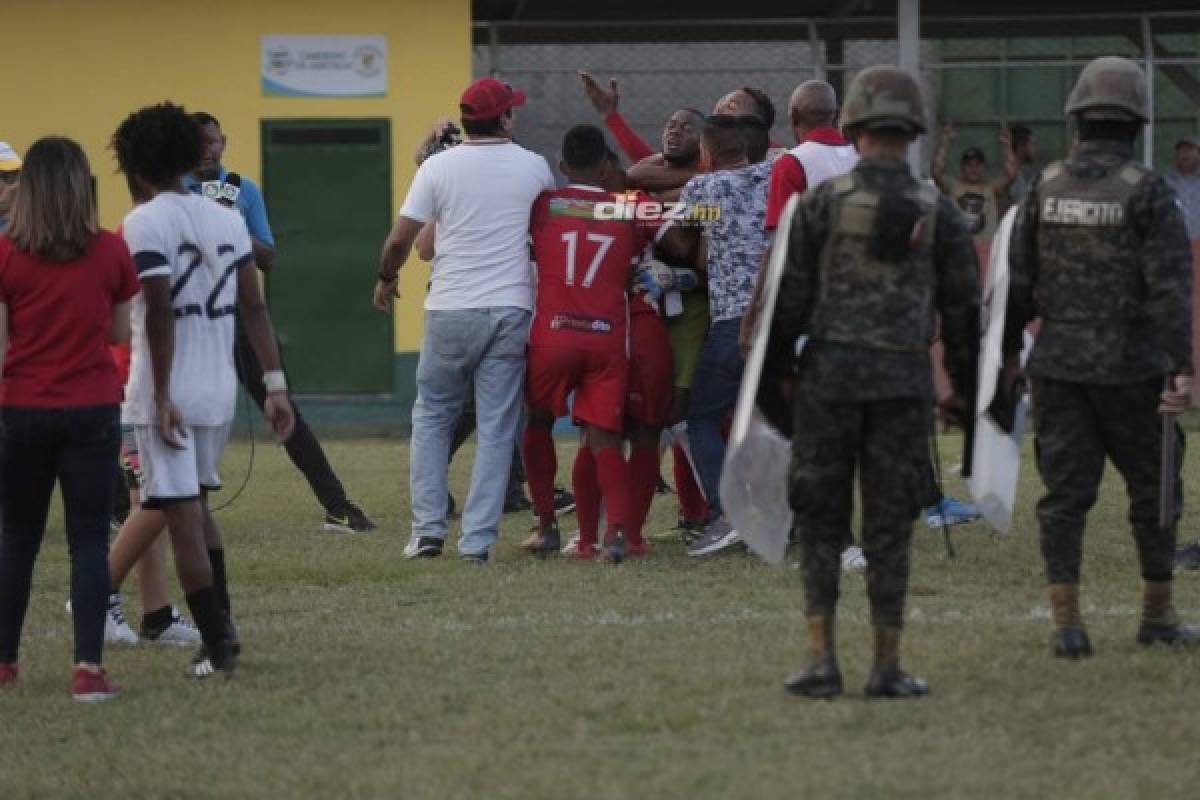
[{"x": 627, "y": 300}]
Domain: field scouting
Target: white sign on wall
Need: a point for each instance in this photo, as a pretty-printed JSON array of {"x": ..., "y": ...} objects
[{"x": 324, "y": 66}]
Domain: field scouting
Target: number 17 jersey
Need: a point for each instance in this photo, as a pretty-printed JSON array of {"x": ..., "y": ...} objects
[
  {"x": 200, "y": 246},
  {"x": 584, "y": 258}
]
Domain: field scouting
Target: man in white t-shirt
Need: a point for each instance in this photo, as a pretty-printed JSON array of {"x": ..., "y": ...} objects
[
  {"x": 477, "y": 312},
  {"x": 196, "y": 265}
]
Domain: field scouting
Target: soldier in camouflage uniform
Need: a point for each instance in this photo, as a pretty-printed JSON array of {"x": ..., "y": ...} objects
[
  {"x": 872, "y": 256},
  {"x": 1099, "y": 251}
]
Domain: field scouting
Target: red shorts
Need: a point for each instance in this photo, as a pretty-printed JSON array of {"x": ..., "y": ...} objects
[
  {"x": 651, "y": 371},
  {"x": 597, "y": 378}
]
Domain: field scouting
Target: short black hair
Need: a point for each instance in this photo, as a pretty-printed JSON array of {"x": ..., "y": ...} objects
[
  {"x": 485, "y": 127},
  {"x": 584, "y": 147},
  {"x": 1120, "y": 130},
  {"x": 762, "y": 104},
  {"x": 723, "y": 136},
  {"x": 204, "y": 118},
  {"x": 756, "y": 135},
  {"x": 159, "y": 144},
  {"x": 1021, "y": 134}
]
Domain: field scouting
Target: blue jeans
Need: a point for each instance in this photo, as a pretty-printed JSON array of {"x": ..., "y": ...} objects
[
  {"x": 714, "y": 395},
  {"x": 76, "y": 448},
  {"x": 485, "y": 346}
]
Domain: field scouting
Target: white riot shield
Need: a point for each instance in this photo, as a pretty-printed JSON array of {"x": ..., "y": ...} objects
[
  {"x": 997, "y": 458},
  {"x": 754, "y": 479}
]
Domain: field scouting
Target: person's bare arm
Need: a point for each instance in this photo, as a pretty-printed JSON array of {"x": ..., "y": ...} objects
[
  {"x": 253, "y": 309},
  {"x": 1011, "y": 167},
  {"x": 425, "y": 241},
  {"x": 937, "y": 169},
  {"x": 396, "y": 249},
  {"x": 655, "y": 174},
  {"x": 160, "y": 335},
  {"x": 264, "y": 254},
  {"x": 678, "y": 245},
  {"x": 119, "y": 332}
]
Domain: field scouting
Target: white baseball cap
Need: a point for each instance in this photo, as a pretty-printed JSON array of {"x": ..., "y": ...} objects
[{"x": 9, "y": 160}]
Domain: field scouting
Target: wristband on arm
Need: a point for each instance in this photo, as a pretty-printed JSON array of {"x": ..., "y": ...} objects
[{"x": 275, "y": 381}]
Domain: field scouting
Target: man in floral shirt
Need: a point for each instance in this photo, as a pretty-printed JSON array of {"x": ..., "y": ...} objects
[{"x": 732, "y": 203}]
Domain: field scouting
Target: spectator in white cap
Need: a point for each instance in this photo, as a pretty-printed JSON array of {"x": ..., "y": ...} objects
[
  {"x": 1184, "y": 178},
  {"x": 10, "y": 173}
]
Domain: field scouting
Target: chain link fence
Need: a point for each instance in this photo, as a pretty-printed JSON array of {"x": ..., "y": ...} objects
[{"x": 979, "y": 75}]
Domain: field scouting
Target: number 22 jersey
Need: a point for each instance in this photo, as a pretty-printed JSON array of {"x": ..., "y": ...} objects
[
  {"x": 584, "y": 258},
  {"x": 200, "y": 246}
]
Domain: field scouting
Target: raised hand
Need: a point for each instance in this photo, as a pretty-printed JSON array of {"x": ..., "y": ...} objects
[{"x": 603, "y": 100}]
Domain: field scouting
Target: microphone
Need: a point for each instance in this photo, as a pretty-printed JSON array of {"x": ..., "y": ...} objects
[
  {"x": 211, "y": 190},
  {"x": 229, "y": 192}
]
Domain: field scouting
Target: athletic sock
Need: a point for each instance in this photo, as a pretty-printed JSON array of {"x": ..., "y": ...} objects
[
  {"x": 613, "y": 474},
  {"x": 587, "y": 494},
  {"x": 206, "y": 613},
  {"x": 691, "y": 499},
  {"x": 541, "y": 464},
  {"x": 643, "y": 480},
  {"x": 158, "y": 620},
  {"x": 220, "y": 585}
]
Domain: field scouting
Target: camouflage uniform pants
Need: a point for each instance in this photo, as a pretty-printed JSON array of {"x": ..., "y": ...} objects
[
  {"x": 1078, "y": 426},
  {"x": 885, "y": 442}
]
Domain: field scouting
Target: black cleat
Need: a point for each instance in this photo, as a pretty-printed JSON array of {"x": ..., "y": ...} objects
[
  {"x": 231, "y": 633},
  {"x": 1071, "y": 642},
  {"x": 822, "y": 679},
  {"x": 517, "y": 503},
  {"x": 1172, "y": 633},
  {"x": 895, "y": 683},
  {"x": 614, "y": 549},
  {"x": 564, "y": 501},
  {"x": 205, "y": 664}
]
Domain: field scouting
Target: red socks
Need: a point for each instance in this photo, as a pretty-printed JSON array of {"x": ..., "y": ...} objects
[
  {"x": 614, "y": 486},
  {"x": 691, "y": 499},
  {"x": 587, "y": 495},
  {"x": 541, "y": 464},
  {"x": 643, "y": 480}
]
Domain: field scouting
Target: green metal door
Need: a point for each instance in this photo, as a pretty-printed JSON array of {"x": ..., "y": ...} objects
[{"x": 328, "y": 188}]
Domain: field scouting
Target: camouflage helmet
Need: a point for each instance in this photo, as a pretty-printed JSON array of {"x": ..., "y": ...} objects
[
  {"x": 1110, "y": 88},
  {"x": 884, "y": 97}
]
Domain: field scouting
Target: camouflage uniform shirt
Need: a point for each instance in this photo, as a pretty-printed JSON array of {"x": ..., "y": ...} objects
[
  {"x": 854, "y": 372},
  {"x": 1156, "y": 336}
]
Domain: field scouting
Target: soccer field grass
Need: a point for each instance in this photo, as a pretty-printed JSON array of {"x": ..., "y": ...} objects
[{"x": 365, "y": 675}]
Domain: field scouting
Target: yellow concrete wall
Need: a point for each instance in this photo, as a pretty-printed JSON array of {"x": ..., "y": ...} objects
[{"x": 77, "y": 67}]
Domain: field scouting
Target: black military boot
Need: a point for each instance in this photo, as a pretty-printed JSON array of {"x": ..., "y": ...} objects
[
  {"x": 1160, "y": 622},
  {"x": 1070, "y": 639},
  {"x": 887, "y": 679},
  {"x": 821, "y": 678}
]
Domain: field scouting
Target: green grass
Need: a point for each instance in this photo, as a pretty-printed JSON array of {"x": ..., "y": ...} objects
[{"x": 366, "y": 675}]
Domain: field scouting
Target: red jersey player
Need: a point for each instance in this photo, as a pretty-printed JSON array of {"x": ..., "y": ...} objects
[{"x": 584, "y": 249}]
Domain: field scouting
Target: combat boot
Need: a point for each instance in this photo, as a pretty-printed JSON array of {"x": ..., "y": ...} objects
[
  {"x": 1070, "y": 639},
  {"x": 887, "y": 679},
  {"x": 822, "y": 677},
  {"x": 1160, "y": 622}
]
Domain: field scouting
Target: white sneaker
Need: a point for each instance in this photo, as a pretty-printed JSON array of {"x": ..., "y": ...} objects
[
  {"x": 181, "y": 632},
  {"x": 853, "y": 558},
  {"x": 572, "y": 545},
  {"x": 116, "y": 629}
]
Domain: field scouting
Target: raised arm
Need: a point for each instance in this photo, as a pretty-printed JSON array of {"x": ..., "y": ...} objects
[
  {"x": 1011, "y": 167},
  {"x": 605, "y": 103}
]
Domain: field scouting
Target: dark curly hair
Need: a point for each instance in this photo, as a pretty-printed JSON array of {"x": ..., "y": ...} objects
[{"x": 158, "y": 144}]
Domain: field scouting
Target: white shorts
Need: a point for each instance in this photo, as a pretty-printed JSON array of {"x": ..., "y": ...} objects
[{"x": 170, "y": 475}]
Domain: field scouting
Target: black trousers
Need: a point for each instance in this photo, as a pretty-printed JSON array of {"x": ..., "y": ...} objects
[
  {"x": 302, "y": 446},
  {"x": 76, "y": 448}
]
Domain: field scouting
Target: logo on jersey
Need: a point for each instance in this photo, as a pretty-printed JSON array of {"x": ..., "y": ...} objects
[
  {"x": 1073, "y": 211},
  {"x": 627, "y": 208},
  {"x": 572, "y": 207},
  {"x": 572, "y": 322}
]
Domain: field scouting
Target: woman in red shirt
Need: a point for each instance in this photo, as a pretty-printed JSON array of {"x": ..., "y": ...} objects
[{"x": 65, "y": 287}]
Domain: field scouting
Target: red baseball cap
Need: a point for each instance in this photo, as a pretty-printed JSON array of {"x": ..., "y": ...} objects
[{"x": 488, "y": 98}]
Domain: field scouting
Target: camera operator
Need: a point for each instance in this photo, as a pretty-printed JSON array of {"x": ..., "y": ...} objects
[
  {"x": 213, "y": 180},
  {"x": 477, "y": 312}
]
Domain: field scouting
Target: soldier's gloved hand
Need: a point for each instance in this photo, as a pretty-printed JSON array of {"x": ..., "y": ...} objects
[{"x": 1178, "y": 398}]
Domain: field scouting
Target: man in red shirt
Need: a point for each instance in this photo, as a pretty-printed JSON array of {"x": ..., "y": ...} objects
[{"x": 578, "y": 343}]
